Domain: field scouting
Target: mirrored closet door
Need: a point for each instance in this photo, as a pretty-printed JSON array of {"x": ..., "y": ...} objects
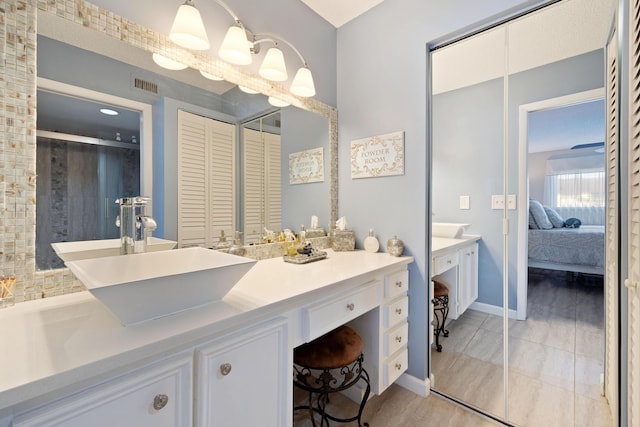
[{"x": 518, "y": 113}]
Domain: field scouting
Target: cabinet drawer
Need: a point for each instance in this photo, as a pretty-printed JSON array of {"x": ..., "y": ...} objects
[
  {"x": 396, "y": 312},
  {"x": 395, "y": 339},
  {"x": 156, "y": 396},
  {"x": 394, "y": 367},
  {"x": 444, "y": 262},
  {"x": 318, "y": 319},
  {"x": 396, "y": 284}
]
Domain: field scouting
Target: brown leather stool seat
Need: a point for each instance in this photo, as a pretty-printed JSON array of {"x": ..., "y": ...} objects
[
  {"x": 440, "y": 311},
  {"x": 329, "y": 364}
]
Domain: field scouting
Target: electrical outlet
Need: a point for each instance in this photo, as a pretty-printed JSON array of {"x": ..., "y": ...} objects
[
  {"x": 497, "y": 201},
  {"x": 511, "y": 202},
  {"x": 464, "y": 202}
]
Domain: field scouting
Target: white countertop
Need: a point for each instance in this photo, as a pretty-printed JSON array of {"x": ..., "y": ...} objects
[
  {"x": 440, "y": 245},
  {"x": 53, "y": 343}
]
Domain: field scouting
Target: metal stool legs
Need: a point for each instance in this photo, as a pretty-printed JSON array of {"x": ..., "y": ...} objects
[
  {"x": 322, "y": 382},
  {"x": 440, "y": 313}
]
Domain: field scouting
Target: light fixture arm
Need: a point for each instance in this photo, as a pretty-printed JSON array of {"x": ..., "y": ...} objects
[
  {"x": 230, "y": 12},
  {"x": 275, "y": 38}
]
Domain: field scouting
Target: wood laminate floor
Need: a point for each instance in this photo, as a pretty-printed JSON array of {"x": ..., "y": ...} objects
[{"x": 556, "y": 357}]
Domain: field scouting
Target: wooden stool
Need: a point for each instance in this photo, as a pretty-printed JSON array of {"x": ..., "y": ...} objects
[
  {"x": 329, "y": 364},
  {"x": 440, "y": 310}
]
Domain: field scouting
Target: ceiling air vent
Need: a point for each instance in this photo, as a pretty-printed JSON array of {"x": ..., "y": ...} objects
[{"x": 145, "y": 85}]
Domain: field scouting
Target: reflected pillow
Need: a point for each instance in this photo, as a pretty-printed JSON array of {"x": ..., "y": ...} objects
[
  {"x": 572, "y": 223},
  {"x": 556, "y": 220},
  {"x": 537, "y": 216}
]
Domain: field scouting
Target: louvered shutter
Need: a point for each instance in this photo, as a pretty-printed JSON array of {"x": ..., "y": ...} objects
[
  {"x": 612, "y": 226},
  {"x": 253, "y": 185},
  {"x": 206, "y": 180},
  {"x": 633, "y": 282},
  {"x": 273, "y": 192},
  {"x": 192, "y": 180}
]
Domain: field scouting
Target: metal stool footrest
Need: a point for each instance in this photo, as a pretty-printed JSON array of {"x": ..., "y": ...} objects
[
  {"x": 322, "y": 382},
  {"x": 440, "y": 313}
]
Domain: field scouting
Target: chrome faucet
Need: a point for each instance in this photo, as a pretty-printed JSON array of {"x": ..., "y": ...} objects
[{"x": 135, "y": 225}]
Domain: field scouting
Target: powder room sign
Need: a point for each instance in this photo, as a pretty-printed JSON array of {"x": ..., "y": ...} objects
[
  {"x": 381, "y": 155},
  {"x": 306, "y": 166}
]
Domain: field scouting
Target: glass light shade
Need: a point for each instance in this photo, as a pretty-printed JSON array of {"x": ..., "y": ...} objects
[
  {"x": 302, "y": 84},
  {"x": 235, "y": 47},
  {"x": 273, "y": 67},
  {"x": 188, "y": 29},
  {"x": 167, "y": 63},
  {"x": 247, "y": 90},
  {"x": 277, "y": 102},
  {"x": 211, "y": 76}
]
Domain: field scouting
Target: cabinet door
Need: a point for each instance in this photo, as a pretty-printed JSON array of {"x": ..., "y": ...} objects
[
  {"x": 242, "y": 379},
  {"x": 156, "y": 396},
  {"x": 468, "y": 277}
]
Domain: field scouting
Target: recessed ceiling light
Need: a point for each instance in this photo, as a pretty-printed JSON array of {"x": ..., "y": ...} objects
[{"x": 109, "y": 112}]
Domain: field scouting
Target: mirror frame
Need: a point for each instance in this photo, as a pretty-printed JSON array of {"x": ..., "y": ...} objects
[{"x": 19, "y": 186}]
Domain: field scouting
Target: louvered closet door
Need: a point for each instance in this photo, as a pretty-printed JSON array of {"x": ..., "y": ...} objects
[
  {"x": 193, "y": 176},
  {"x": 253, "y": 185},
  {"x": 273, "y": 179},
  {"x": 612, "y": 227},
  {"x": 633, "y": 282},
  {"x": 206, "y": 156}
]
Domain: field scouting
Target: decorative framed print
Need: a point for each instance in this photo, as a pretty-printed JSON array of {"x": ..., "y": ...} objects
[
  {"x": 306, "y": 166},
  {"x": 381, "y": 155}
]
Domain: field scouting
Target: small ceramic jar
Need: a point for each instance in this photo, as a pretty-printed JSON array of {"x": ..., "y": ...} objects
[{"x": 395, "y": 246}]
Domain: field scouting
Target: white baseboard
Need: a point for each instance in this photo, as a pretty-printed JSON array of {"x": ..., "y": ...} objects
[
  {"x": 491, "y": 309},
  {"x": 416, "y": 385}
]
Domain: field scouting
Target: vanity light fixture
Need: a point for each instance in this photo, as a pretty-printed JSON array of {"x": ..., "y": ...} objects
[
  {"x": 109, "y": 112},
  {"x": 248, "y": 90},
  {"x": 277, "y": 102},
  {"x": 273, "y": 67},
  {"x": 211, "y": 76},
  {"x": 238, "y": 46},
  {"x": 167, "y": 63},
  {"x": 188, "y": 29}
]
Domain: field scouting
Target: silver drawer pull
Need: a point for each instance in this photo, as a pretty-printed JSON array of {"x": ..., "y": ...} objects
[
  {"x": 448, "y": 261},
  {"x": 351, "y": 306},
  {"x": 399, "y": 283},
  {"x": 398, "y": 366},
  {"x": 398, "y": 310},
  {"x": 225, "y": 368},
  {"x": 399, "y": 339},
  {"x": 160, "y": 401}
]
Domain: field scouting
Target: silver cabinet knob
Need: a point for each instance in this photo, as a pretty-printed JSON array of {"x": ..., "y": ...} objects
[
  {"x": 399, "y": 283},
  {"x": 398, "y": 366},
  {"x": 225, "y": 368},
  {"x": 351, "y": 306},
  {"x": 399, "y": 339},
  {"x": 160, "y": 401},
  {"x": 398, "y": 310}
]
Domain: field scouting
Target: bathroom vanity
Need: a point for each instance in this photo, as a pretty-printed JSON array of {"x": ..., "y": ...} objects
[{"x": 68, "y": 361}]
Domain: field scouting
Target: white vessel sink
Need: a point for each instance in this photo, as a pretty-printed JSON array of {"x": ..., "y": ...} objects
[
  {"x": 86, "y": 249},
  {"x": 448, "y": 229},
  {"x": 145, "y": 286}
]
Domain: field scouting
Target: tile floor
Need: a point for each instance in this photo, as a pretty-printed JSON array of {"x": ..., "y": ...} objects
[{"x": 555, "y": 357}]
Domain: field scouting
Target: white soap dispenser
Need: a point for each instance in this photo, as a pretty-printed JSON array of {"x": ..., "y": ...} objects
[{"x": 371, "y": 244}]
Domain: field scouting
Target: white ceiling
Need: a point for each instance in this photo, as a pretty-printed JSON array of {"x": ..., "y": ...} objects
[{"x": 339, "y": 12}]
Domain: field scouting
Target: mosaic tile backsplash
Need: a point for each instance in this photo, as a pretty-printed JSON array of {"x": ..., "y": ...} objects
[{"x": 18, "y": 35}]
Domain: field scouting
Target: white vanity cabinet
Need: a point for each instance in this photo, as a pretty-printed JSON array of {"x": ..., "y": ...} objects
[
  {"x": 242, "y": 380},
  {"x": 457, "y": 267},
  {"x": 155, "y": 396}
]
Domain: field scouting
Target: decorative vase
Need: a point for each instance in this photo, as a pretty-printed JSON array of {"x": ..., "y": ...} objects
[
  {"x": 395, "y": 246},
  {"x": 371, "y": 244}
]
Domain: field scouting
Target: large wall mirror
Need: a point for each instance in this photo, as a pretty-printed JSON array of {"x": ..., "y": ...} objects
[
  {"x": 518, "y": 110},
  {"x": 81, "y": 70}
]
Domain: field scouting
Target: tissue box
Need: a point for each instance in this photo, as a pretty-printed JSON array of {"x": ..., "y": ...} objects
[
  {"x": 315, "y": 232},
  {"x": 343, "y": 240}
]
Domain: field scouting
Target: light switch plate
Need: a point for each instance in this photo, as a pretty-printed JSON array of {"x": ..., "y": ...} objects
[
  {"x": 497, "y": 201},
  {"x": 464, "y": 202},
  {"x": 511, "y": 202}
]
